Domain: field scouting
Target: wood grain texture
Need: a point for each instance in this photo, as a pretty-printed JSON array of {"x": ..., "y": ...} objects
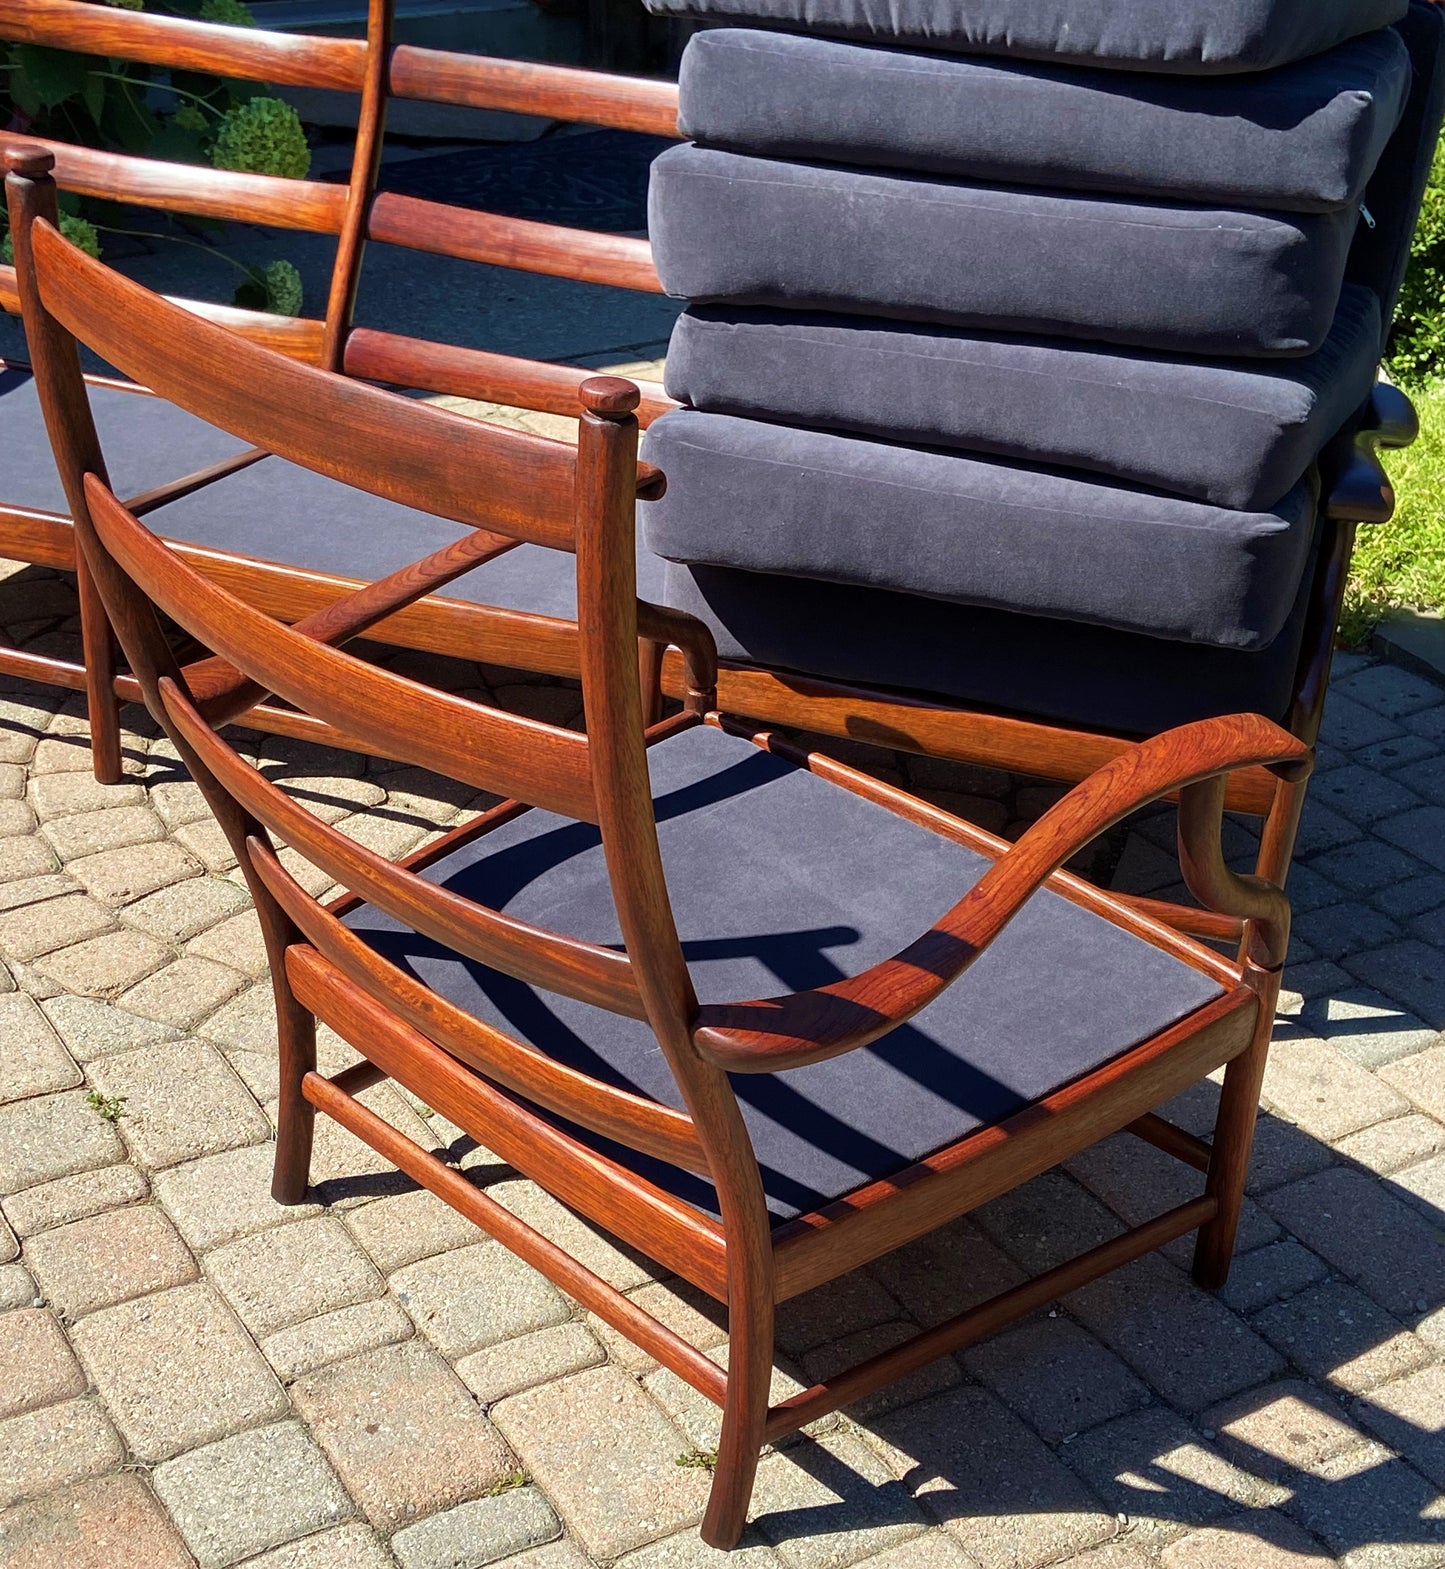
[
  {"x": 556, "y": 92},
  {"x": 476, "y": 373},
  {"x": 628, "y": 1206},
  {"x": 874, "y": 1220},
  {"x": 594, "y": 974},
  {"x": 365, "y": 170},
  {"x": 614, "y": 259},
  {"x": 630, "y": 1120},
  {"x": 288, "y": 59},
  {"x": 506, "y": 754},
  {"x": 525, "y": 1241},
  {"x": 309, "y": 205},
  {"x": 406, "y": 451},
  {"x": 905, "y": 723}
]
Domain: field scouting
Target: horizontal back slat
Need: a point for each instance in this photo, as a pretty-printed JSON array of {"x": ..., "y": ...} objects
[
  {"x": 615, "y": 259},
  {"x": 597, "y": 975},
  {"x": 504, "y": 753},
  {"x": 409, "y": 452},
  {"x": 310, "y": 205},
  {"x": 298, "y": 337},
  {"x": 476, "y": 373},
  {"x": 254, "y": 54},
  {"x": 618, "y": 1114},
  {"x": 559, "y": 92}
]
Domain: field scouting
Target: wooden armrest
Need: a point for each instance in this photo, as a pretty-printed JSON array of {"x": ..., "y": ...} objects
[
  {"x": 1356, "y": 486},
  {"x": 772, "y": 1033}
]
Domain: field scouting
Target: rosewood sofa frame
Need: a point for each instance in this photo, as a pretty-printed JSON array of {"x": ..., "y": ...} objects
[
  {"x": 1355, "y": 487},
  {"x": 583, "y": 502}
]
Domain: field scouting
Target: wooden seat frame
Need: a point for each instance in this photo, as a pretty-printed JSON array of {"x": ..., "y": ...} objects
[
  {"x": 1355, "y": 489},
  {"x": 491, "y": 1085}
]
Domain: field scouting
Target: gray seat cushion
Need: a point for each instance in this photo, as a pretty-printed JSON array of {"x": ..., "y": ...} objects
[
  {"x": 1192, "y": 280},
  {"x": 146, "y": 441},
  {"x": 1235, "y": 433},
  {"x": 772, "y": 498},
  {"x": 278, "y": 512},
  {"x": 1120, "y": 682},
  {"x": 1190, "y": 36},
  {"x": 1304, "y": 137},
  {"x": 765, "y": 903}
]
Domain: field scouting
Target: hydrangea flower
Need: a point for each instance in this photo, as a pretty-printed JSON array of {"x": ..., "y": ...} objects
[
  {"x": 77, "y": 230},
  {"x": 283, "y": 289},
  {"x": 262, "y": 136}
]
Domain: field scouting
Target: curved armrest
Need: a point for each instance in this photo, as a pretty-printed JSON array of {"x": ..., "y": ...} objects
[
  {"x": 772, "y": 1033},
  {"x": 1356, "y": 486}
]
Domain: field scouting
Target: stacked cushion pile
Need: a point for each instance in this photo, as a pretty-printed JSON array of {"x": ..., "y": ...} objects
[{"x": 1053, "y": 318}]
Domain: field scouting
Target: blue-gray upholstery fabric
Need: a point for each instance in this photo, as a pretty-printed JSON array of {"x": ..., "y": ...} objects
[
  {"x": 780, "y": 882},
  {"x": 147, "y": 442},
  {"x": 1192, "y": 280},
  {"x": 1029, "y": 665},
  {"x": 1235, "y": 433},
  {"x": 279, "y": 512},
  {"x": 804, "y": 503},
  {"x": 1188, "y": 36},
  {"x": 1304, "y": 137},
  {"x": 1380, "y": 255}
]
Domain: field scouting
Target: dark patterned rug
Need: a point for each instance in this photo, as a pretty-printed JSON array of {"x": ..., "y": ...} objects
[{"x": 594, "y": 180}]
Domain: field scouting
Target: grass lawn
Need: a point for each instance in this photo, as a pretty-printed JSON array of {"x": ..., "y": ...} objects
[{"x": 1402, "y": 563}]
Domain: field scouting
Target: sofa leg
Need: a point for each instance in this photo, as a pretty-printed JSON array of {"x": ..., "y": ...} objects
[
  {"x": 98, "y": 644},
  {"x": 745, "y": 1416},
  {"x": 295, "y": 1115},
  {"x": 1229, "y": 1164}
]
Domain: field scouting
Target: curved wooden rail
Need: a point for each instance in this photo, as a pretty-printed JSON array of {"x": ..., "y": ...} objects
[{"x": 769, "y": 1034}]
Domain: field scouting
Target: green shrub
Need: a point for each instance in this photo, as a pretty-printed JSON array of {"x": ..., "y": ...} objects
[
  {"x": 1401, "y": 564},
  {"x": 1417, "y": 344}
]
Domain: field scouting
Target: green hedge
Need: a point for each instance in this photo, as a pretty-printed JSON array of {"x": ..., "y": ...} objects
[{"x": 1417, "y": 345}]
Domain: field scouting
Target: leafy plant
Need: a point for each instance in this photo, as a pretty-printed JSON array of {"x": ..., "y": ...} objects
[
  {"x": 77, "y": 230},
  {"x": 262, "y": 135},
  {"x": 182, "y": 116},
  {"x": 1401, "y": 564},
  {"x": 111, "y": 1107},
  {"x": 1417, "y": 345}
]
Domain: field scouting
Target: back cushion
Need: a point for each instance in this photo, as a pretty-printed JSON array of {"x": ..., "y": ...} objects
[
  {"x": 1236, "y": 433},
  {"x": 1198, "y": 37},
  {"x": 1195, "y": 280},
  {"x": 1305, "y": 137}
]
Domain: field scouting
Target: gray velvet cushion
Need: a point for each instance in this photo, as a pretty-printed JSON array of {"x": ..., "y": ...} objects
[
  {"x": 1192, "y": 36},
  {"x": 1237, "y": 433},
  {"x": 146, "y": 441},
  {"x": 1305, "y": 137},
  {"x": 963, "y": 654},
  {"x": 768, "y": 902},
  {"x": 1193, "y": 280},
  {"x": 771, "y": 498},
  {"x": 278, "y": 512}
]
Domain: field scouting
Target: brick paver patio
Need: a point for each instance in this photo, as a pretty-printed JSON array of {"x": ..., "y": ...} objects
[{"x": 190, "y": 1374}]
